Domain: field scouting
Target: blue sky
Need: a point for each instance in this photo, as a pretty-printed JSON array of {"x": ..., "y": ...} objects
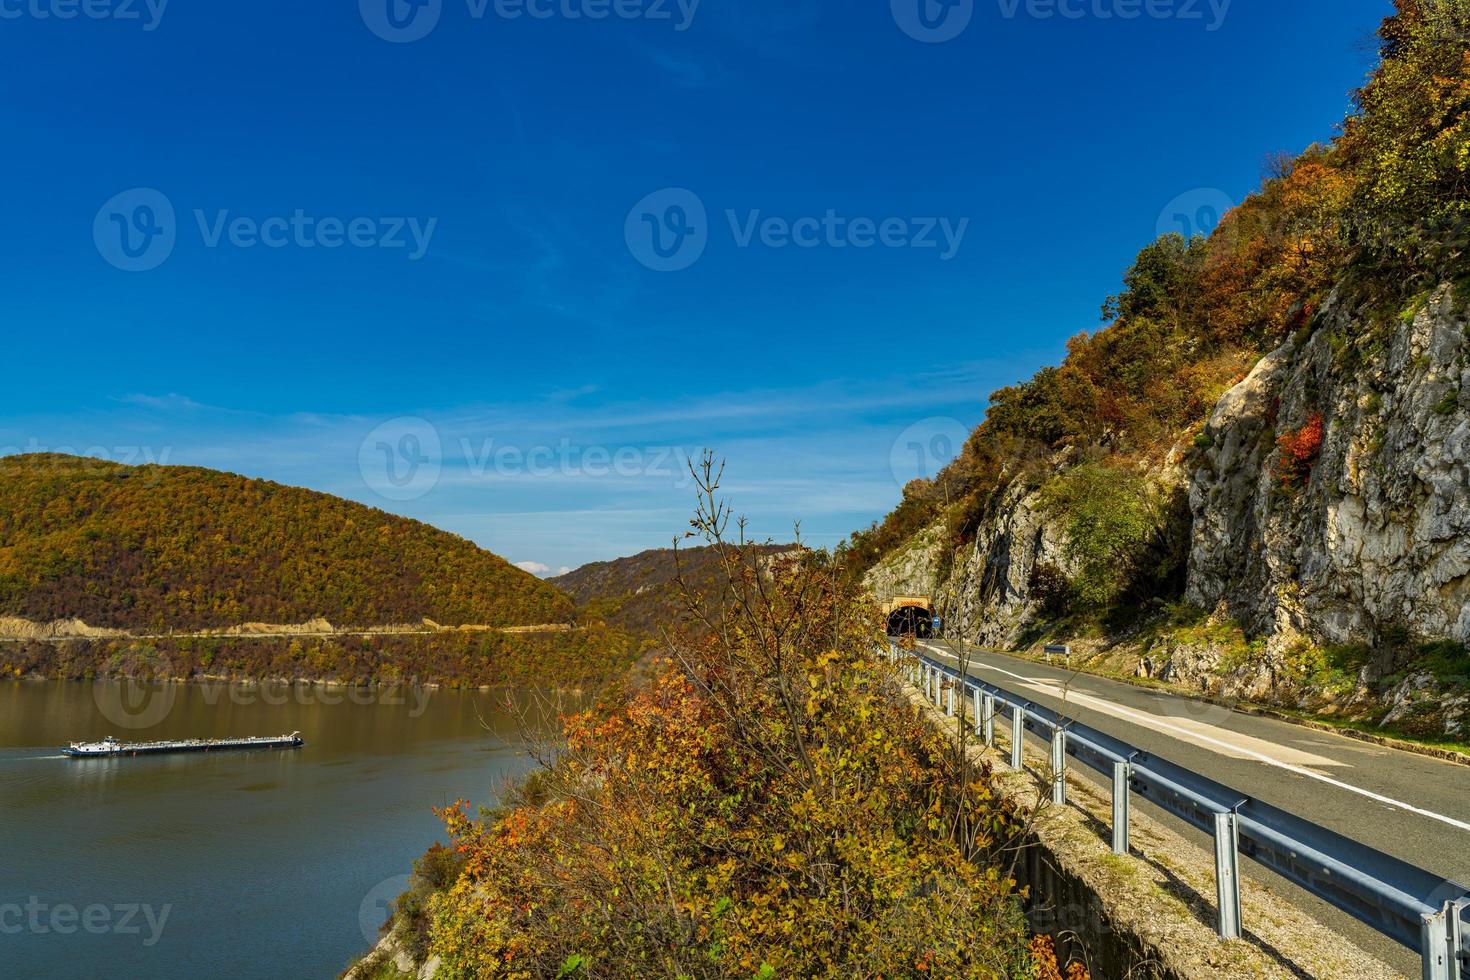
[{"x": 350, "y": 247}]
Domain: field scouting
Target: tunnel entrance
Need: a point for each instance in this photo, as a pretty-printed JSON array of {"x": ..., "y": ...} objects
[{"x": 911, "y": 619}]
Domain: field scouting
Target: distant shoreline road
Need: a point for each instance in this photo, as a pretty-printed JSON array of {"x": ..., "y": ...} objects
[{"x": 11, "y": 631}]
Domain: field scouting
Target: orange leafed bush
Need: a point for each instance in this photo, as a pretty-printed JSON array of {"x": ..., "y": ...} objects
[
  {"x": 1045, "y": 966},
  {"x": 1300, "y": 450},
  {"x": 767, "y": 804}
]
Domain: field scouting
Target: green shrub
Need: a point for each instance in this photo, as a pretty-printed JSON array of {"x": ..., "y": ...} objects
[
  {"x": 1050, "y": 589},
  {"x": 1348, "y": 657},
  {"x": 433, "y": 874},
  {"x": 1446, "y": 659},
  {"x": 1109, "y": 515}
]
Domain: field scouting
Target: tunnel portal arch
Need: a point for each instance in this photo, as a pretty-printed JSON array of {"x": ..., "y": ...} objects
[{"x": 910, "y": 615}]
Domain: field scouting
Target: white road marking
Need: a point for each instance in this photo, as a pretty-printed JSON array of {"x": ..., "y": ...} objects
[{"x": 1159, "y": 724}]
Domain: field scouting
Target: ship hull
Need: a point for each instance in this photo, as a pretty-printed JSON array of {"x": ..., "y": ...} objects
[{"x": 174, "y": 748}]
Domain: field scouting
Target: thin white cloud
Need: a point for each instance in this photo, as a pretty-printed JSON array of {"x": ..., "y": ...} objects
[
  {"x": 172, "y": 402},
  {"x": 534, "y": 567}
]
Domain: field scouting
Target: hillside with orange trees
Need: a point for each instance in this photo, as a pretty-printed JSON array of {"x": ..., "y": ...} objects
[{"x": 165, "y": 548}]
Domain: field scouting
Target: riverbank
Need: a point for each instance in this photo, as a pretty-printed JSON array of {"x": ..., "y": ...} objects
[{"x": 588, "y": 655}]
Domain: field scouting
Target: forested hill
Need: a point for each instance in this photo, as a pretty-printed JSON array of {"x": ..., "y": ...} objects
[
  {"x": 169, "y": 548},
  {"x": 642, "y": 593}
]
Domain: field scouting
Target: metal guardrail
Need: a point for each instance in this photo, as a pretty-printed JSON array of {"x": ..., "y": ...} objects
[{"x": 1420, "y": 910}]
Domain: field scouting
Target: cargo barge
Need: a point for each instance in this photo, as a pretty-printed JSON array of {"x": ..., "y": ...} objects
[{"x": 110, "y": 746}]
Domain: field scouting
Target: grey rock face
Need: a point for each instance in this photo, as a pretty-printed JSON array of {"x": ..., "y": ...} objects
[
  {"x": 1378, "y": 537},
  {"x": 913, "y": 569},
  {"x": 990, "y": 592},
  {"x": 1372, "y": 544},
  {"x": 983, "y": 590}
]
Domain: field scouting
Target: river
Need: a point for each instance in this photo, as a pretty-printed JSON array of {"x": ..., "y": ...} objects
[{"x": 238, "y": 864}]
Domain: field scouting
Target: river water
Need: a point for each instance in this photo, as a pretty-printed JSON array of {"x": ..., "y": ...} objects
[{"x": 265, "y": 864}]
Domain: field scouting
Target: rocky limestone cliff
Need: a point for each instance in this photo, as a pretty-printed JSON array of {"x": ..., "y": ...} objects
[
  {"x": 989, "y": 594},
  {"x": 1375, "y": 542},
  {"x": 1362, "y": 542},
  {"x": 983, "y": 589},
  {"x": 916, "y": 568},
  {"x": 1366, "y": 547}
]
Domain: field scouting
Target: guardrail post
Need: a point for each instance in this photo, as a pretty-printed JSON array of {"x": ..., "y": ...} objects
[
  {"x": 987, "y": 718},
  {"x": 949, "y": 698},
  {"x": 1018, "y": 733},
  {"x": 1227, "y": 875},
  {"x": 1441, "y": 943},
  {"x": 1121, "y": 777},
  {"x": 1059, "y": 766},
  {"x": 977, "y": 699}
]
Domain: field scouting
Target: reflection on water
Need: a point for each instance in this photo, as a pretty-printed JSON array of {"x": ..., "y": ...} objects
[{"x": 269, "y": 864}]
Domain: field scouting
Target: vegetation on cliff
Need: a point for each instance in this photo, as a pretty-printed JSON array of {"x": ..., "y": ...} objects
[
  {"x": 180, "y": 548},
  {"x": 1380, "y": 214}
]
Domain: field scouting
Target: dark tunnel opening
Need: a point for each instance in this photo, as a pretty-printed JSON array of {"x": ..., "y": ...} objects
[{"x": 911, "y": 619}]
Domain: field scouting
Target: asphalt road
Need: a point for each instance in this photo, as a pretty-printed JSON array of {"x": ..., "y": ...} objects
[{"x": 1412, "y": 806}]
